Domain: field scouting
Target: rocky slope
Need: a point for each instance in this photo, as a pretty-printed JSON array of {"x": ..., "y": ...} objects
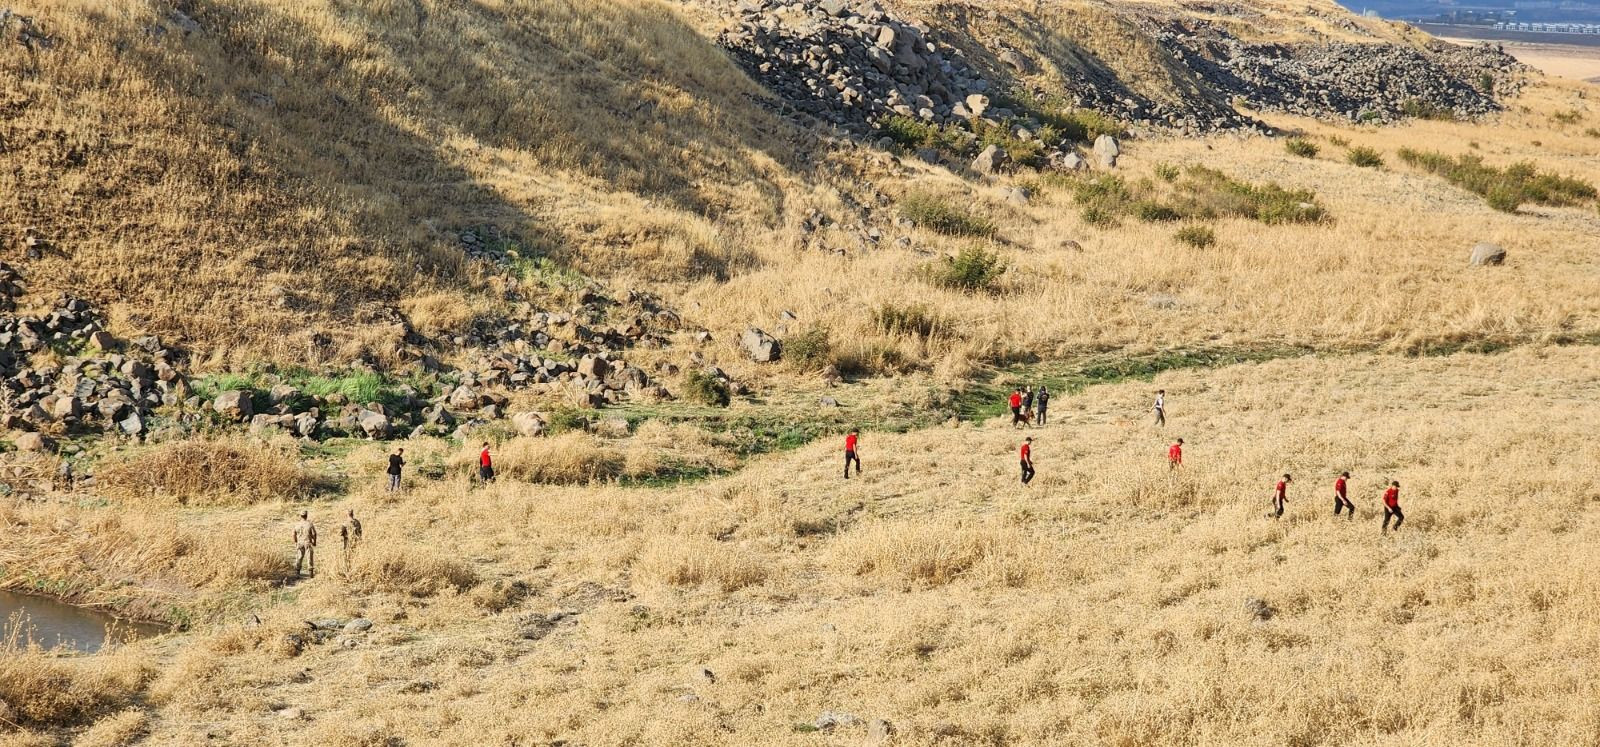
[{"x": 854, "y": 62}]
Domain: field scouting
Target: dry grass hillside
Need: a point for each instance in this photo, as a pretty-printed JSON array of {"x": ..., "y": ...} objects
[
  {"x": 1109, "y": 603},
  {"x": 273, "y": 184},
  {"x": 283, "y": 183}
]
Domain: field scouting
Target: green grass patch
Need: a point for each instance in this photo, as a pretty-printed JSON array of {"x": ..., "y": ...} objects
[
  {"x": 1197, "y": 236},
  {"x": 809, "y": 350},
  {"x": 973, "y": 270},
  {"x": 940, "y": 215},
  {"x": 1201, "y": 193},
  {"x": 1364, "y": 157},
  {"x": 1299, "y": 146},
  {"x": 914, "y": 320},
  {"x": 1503, "y": 188}
]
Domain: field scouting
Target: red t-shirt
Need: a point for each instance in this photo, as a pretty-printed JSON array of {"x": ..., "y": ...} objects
[
  {"x": 1027, "y": 452},
  {"x": 1175, "y": 454},
  {"x": 1338, "y": 487},
  {"x": 1016, "y": 400},
  {"x": 1391, "y": 497},
  {"x": 1283, "y": 489},
  {"x": 483, "y": 458},
  {"x": 850, "y": 442}
]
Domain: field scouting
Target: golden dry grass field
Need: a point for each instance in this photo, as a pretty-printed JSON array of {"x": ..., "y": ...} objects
[{"x": 664, "y": 586}]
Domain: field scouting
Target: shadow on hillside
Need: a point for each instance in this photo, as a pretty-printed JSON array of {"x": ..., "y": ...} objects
[{"x": 296, "y": 162}]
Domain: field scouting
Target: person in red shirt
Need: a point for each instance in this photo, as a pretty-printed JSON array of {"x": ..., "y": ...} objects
[
  {"x": 1017, "y": 418},
  {"x": 485, "y": 465},
  {"x": 1391, "y": 506},
  {"x": 1027, "y": 460},
  {"x": 850, "y": 454},
  {"x": 1282, "y": 495},
  {"x": 1175, "y": 455},
  {"x": 1341, "y": 496}
]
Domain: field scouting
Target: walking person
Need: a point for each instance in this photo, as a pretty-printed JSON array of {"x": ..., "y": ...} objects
[
  {"x": 485, "y": 465},
  {"x": 397, "y": 460},
  {"x": 1161, "y": 407},
  {"x": 1281, "y": 495},
  {"x": 305, "y": 541},
  {"x": 355, "y": 528},
  {"x": 1042, "y": 402},
  {"x": 1391, "y": 507},
  {"x": 850, "y": 454},
  {"x": 1016, "y": 409},
  {"x": 349, "y": 538},
  {"x": 1175, "y": 455},
  {"x": 1027, "y": 460},
  {"x": 1341, "y": 496},
  {"x": 1027, "y": 402}
]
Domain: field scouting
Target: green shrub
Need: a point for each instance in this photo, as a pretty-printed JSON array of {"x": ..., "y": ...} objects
[
  {"x": 700, "y": 386},
  {"x": 1209, "y": 193},
  {"x": 1338, "y": 142},
  {"x": 1151, "y": 211},
  {"x": 1421, "y": 109},
  {"x": 1568, "y": 117},
  {"x": 1098, "y": 216},
  {"x": 1592, "y": 132},
  {"x": 809, "y": 350},
  {"x": 564, "y": 420},
  {"x": 1197, "y": 236},
  {"x": 1486, "y": 82},
  {"x": 938, "y": 215},
  {"x": 1507, "y": 188},
  {"x": 1299, "y": 146},
  {"x": 916, "y": 320},
  {"x": 974, "y": 269},
  {"x": 1364, "y": 157},
  {"x": 1167, "y": 172}
]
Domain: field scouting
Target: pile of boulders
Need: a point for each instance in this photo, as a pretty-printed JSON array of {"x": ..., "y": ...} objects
[
  {"x": 1358, "y": 81},
  {"x": 100, "y": 384},
  {"x": 851, "y": 63}
]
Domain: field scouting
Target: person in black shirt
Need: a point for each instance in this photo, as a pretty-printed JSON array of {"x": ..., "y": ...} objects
[
  {"x": 396, "y": 461},
  {"x": 1042, "y": 402}
]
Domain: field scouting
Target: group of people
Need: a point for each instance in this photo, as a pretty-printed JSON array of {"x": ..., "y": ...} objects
[
  {"x": 397, "y": 465},
  {"x": 305, "y": 542},
  {"x": 1031, "y": 407}
]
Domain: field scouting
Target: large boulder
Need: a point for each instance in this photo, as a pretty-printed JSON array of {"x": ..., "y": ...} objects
[
  {"x": 464, "y": 398},
  {"x": 132, "y": 425},
  {"x": 1486, "y": 254},
  {"x": 991, "y": 160},
  {"x": 234, "y": 405},
  {"x": 528, "y": 423},
  {"x": 760, "y": 346},
  {"x": 374, "y": 424},
  {"x": 593, "y": 367},
  {"x": 977, "y": 104},
  {"x": 1107, "y": 150},
  {"x": 102, "y": 341},
  {"x": 67, "y": 407},
  {"x": 33, "y": 442}
]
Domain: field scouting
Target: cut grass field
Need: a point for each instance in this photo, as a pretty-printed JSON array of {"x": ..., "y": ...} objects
[{"x": 1108, "y": 603}]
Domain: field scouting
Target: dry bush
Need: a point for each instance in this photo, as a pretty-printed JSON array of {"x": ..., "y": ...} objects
[
  {"x": 116, "y": 730},
  {"x": 415, "y": 571},
  {"x": 567, "y": 458},
  {"x": 682, "y": 561},
  {"x": 930, "y": 552},
  {"x": 45, "y": 690},
  {"x": 227, "y": 471}
]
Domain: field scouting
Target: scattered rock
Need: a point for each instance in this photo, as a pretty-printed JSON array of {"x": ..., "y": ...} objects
[
  {"x": 292, "y": 714},
  {"x": 102, "y": 341},
  {"x": 1259, "y": 609},
  {"x": 234, "y": 404},
  {"x": 1017, "y": 62},
  {"x": 879, "y": 730},
  {"x": 1107, "y": 150},
  {"x": 528, "y": 423},
  {"x": 1486, "y": 254},
  {"x": 760, "y": 346},
  {"x": 358, "y": 625},
  {"x": 828, "y": 720},
  {"x": 33, "y": 442},
  {"x": 991, "y": 160}
]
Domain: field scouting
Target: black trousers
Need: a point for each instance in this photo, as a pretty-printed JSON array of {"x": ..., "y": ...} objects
[
  {"x": 1017, "y": 416},
  {"x": 850, "y": 456},
  {"x": 1027, "y": 472},
  {"x": 1394, "y": 511},
  {"x": 1278, "y": 502},
  {"x": 1340, "y": 503},
  {"x": 1042, "y": 411}
]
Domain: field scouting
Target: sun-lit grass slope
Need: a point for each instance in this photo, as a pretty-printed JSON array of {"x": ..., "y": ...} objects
[
  {"x": 270, "y": 184},
  {"x": 1113, "y": 602}
]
